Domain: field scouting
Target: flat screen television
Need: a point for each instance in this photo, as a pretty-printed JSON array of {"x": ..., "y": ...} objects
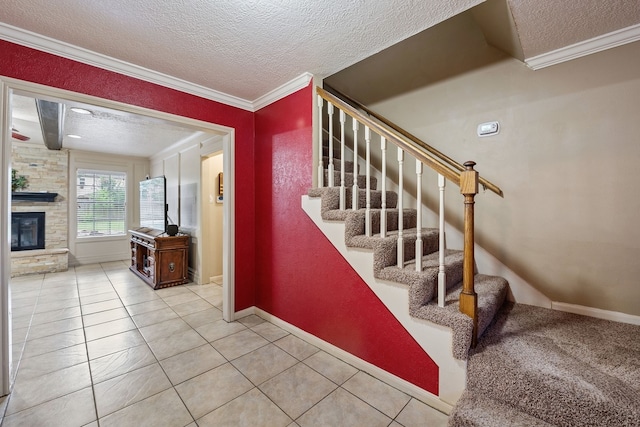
[{"x": 153, "y": 203}]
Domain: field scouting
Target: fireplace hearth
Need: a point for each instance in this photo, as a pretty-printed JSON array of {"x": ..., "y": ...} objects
[{"x": 27, "y": 231}]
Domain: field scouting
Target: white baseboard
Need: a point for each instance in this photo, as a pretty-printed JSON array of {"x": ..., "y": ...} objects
[
  {"x": 615, "y": 316},
  {"x": 97, "y": 259},
  {"x": 394, "y": 381},
  {"x": 244, "y": 313}
]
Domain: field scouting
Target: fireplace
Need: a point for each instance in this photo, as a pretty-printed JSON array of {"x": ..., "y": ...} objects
[{"x": 27, "y": 231}]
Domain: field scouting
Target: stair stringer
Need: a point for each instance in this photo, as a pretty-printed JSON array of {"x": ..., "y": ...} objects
[{"x": 436, "y": 340}]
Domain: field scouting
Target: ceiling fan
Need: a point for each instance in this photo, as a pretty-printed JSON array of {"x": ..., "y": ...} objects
[{"x": 15, "y": 134}]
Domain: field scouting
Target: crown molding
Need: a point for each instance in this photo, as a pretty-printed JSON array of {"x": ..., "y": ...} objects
[
  {"x": 280, "y": 92},
  {"x": 587, "y": 47},
  {"x": 69, "y": 51}
]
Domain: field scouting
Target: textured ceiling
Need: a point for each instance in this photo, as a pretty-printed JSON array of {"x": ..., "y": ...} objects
[
  {"x": 247, "y": 48},
  {"x": 244, "y": 48},
  {"x": 104, "y": 130},
  {"x": 546, "y": 25}
]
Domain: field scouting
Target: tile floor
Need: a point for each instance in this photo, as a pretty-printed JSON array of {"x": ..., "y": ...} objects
[{"x": 95, "y": 346}]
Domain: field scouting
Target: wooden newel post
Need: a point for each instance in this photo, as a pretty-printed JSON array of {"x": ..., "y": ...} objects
[{"x": 468, "y": 297}]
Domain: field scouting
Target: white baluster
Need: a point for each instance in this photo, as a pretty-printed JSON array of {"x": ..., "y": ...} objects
[
  {"x": 354, "y": 193},
  {"x": 400, "y": 212},
  {"x": 331, "y": 168},
  {"x": 320, "y": 145},
  {"x": 343, "y": 188},
  {"x": 367, "y": 215},
  {"x": 383, "y": 188},
  {"x": 419, "y": 217},
  {"x": 442, "y": 275}
]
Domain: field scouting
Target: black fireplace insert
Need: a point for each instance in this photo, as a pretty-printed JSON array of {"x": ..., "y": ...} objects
[{"x": 27, "y": 231}]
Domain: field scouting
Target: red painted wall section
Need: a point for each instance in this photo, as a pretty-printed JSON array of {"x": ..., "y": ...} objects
[
  {"x": 284, "y": 264},
  {"x": 31, "y": 65},
  {"x": 301, "y": 278}
]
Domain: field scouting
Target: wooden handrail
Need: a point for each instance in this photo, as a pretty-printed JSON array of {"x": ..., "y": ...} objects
[
  {"x": 408, "y": 146},
  {"x": 438, "y": 154}
]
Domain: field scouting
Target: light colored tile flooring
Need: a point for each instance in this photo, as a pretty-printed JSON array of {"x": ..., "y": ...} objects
[{"x": 98, "y": 347}]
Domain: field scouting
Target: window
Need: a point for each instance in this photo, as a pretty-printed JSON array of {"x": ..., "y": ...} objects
[{"x": 101, "y": 200}]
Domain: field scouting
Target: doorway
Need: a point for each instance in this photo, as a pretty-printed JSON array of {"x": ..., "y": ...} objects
[
  {"x": 212, "y": 218},
  {"x": 10, "y": 86}
]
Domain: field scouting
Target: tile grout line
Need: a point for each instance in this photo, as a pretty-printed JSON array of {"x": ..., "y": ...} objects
[
  {"x": 86, "y": 346},
  {"x": 17, "y": 365},
  {"x": 145, "y": 343},
  {"x": 248, "y": 326}
]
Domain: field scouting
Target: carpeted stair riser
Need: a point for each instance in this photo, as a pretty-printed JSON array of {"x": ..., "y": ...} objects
[
  {"x": 476, "y": 410},
  {"x": 423, "y": 285},
  {"x": 348, "y": 180},
  {"x": 348, "y": 165},
  {"x": 330, "y": 201},
  {"x": 325, "y": 150},
  {"x": 386, "y": 249},
  {"x": 355, "y": 225},
  {"x": 550, "y": 370},
  {"x": 491, "y": 290}
]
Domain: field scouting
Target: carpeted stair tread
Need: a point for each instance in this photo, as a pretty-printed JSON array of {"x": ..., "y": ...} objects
[
  {"x": 386, "y": 252},
  {"x": 330, "y": 201},
  {"x": 491, "y": 290},
  {"x": 348, "y": 180},
  {"x": 355, "y": 225},
  {"x": 423, "y": 284},
  {"x": 563, "y": 368},
  {"x": 477, "y": 410},
  {"x": 429, "y": 242},
  {"x": 386, "y": 249}
]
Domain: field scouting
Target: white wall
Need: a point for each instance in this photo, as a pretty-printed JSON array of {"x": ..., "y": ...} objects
[{"x": 182, "y": 166}]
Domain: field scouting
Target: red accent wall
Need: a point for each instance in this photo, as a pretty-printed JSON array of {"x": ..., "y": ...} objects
[
  {"x": 301, "y": 278},
  {"x": 31, "y": 65},
  {"x": 284, "y": 264}
]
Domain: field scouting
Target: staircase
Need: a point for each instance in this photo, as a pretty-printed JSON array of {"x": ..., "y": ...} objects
[
  {"x": 531, "y": 367},
  {"x": 432, "y": 290},
  {"x": 421, "y": 286}
]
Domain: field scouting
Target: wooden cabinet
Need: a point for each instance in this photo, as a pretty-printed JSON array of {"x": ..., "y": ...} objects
[{"x": 160, "y": 260}]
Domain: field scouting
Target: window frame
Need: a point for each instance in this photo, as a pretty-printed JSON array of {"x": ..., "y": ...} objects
[{"x": 82, "y": 188}]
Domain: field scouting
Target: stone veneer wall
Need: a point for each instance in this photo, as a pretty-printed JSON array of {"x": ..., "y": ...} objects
[{"x": 46, "y": 170}]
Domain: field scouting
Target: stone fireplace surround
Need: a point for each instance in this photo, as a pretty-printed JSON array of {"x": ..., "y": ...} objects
[{"x": 46, "y": 171}]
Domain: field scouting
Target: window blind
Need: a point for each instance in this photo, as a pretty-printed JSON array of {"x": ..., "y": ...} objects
[{"x": 101, "y": 201}]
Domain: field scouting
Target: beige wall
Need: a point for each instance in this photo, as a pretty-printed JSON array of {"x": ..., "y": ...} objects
[
  {"x": 211, "y": 218},
  {"x": 566, "y": 158}
]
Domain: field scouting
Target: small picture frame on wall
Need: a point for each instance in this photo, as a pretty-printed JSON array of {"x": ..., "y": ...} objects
[{"x": 220, "y": 185}]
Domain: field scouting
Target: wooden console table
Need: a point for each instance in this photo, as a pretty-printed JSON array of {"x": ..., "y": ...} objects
[{"x": 160, "y": 260}]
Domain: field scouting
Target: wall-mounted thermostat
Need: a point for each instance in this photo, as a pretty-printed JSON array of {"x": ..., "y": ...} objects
[{"x": 488, "y": 129}]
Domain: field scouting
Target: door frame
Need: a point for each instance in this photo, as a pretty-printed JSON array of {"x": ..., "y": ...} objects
[{"x": 7, "y": 87}]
